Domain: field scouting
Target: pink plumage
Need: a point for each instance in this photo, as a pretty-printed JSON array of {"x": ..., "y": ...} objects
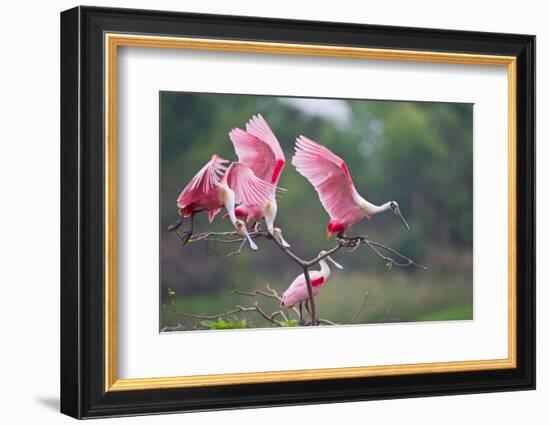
[
  {"x": 205, "y": 191},
  {"x": 216, "y": 186},
  {"x": 259, "y": 149},
  {"x": 201, "y": 192},
  {"x": 297, "y": 291},
  {"x": 330, "y": 177},
  {"x": 249, "y": 189}
]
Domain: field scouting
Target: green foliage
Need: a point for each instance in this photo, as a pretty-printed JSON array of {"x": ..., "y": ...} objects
[
  {"x": 461, "y": 312},
  {"x": 291, "y": 323},
  {"x": 227, "y": 323}
]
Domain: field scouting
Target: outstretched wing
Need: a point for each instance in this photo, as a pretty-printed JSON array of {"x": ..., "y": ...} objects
[
  {"x": 259, "y": 149},
  {"x": 249, "y": 189},
  {"x": 329, "y": 176},
  {"x": 205, "y": 180}
]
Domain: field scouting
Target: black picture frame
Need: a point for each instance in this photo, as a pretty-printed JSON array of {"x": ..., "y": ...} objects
[{"x": 83, "y": 392}]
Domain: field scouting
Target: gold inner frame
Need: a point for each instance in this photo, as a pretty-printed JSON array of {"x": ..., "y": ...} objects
[{"x": 113, "y": 41}]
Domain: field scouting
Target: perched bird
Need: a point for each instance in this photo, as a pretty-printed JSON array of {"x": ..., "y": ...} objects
[
  {"x": 259, "y": 149},
  {"x": 297, "y": 291},
  {"x": 330, "y": 177},
  {"x": 216, "y": 186}
]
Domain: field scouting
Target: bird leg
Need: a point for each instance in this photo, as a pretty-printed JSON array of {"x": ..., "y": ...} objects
[
  {"x": 270, "y": 211},
  {"x": 186, "y": 236},
  {"x": 277, "y": 233},
  {"x": 176, "y": 225},
  {"x": 301, "y": 313}
]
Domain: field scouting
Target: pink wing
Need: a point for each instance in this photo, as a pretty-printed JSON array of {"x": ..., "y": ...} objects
[
  {"x": 204, "y": 181},
  {"x": 297, "y": 291},
  {"x": 329, "y": 176},
  {"x": 249, "y": 189},
  {"x": 258, "y": 148}
]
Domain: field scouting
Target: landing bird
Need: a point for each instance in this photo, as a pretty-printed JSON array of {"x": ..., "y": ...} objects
[
  {"x": 297, "y": 291},
  {"x": 216, "y": 186},
  {"x": 259, "y": 149},
  {"x": 330, "y": 177}
]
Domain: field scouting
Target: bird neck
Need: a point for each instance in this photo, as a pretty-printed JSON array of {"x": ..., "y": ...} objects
[
  {"x": 232, "y": 217},
  {"x": 372, "y": 209},
  {"x": 227, "y": 199},
  {"x": 325, "y": 269}
]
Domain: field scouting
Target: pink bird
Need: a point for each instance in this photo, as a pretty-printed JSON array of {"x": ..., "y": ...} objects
[
  {"x": 330, "y": 177},
  {"x": 216, "y": 186},
  {"x": 259, "y": 149},
  {"x": 297, "y": 291}
]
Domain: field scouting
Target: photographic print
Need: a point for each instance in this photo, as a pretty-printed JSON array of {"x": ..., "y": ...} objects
[{"x": 289, "y": 212}]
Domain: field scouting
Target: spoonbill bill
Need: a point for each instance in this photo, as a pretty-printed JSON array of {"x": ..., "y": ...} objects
[
  {"x": 297, "y": 291},
  {"x": 216, "y": 186},
  {"x": 259, "y": 149},
  {"x": 331, "y": 179}
]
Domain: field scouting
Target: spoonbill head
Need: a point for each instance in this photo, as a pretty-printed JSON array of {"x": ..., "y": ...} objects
[
  {"x": 329, "y": 175},
  {"x": 227, "y": 198},
  {"x": 394, "y": 206}
]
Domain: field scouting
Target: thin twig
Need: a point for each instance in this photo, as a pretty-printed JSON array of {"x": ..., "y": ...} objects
[
  {"x": 351, "y": 243},
  {"x": 327, "y": 322},
  {"x": 208, "y": 316},
  {"x": 238, "y": 309},
  {"x": 363, "y": 305},
  {"x": 387, "y": 310},
  {"x": 175, "y": 328},
  {"x": 271, "y": 294},
  {"x": 236, "y": 252},
  {"x": 408, "y": 261},
  {"x": 235, "y": 290}
]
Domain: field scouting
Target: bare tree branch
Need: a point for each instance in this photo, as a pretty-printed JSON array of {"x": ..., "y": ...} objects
[
  {"x": 327, "y": 322},
  {"x": 238, "y": 309},
  {"x": 235, "y": 290},
  {"x": 311, "y": 297},
  {"x": 408, "y": 261},
  {"x": 175, "y": 328},
  {"x": 256, "y": 308},
  {"x": 352, "y": 243},
  {"x": 236, "y": 252},
  {"x": 271, "y": 294},
  {"x": 208, "y": 316}
]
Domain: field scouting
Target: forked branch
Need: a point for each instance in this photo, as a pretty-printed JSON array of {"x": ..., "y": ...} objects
[{"x": 214, "y": 240}]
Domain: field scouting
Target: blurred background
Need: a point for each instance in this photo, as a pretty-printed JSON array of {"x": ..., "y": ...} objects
[{"x": 416, "y": 153}]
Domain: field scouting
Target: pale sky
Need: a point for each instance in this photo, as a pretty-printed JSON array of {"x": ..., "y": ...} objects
[{"x": 335, "y": 110}]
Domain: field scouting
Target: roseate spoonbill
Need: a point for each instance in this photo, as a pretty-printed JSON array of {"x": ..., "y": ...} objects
[
  {"x": 216, "y": 186},
  {"x": 259, "y": 149},
  {"x": 297, "y": 291},
  {"x": 330, "y": 177}
]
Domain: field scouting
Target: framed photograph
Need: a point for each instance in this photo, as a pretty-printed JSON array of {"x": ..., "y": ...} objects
[{"x": 261, "y": 212}]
